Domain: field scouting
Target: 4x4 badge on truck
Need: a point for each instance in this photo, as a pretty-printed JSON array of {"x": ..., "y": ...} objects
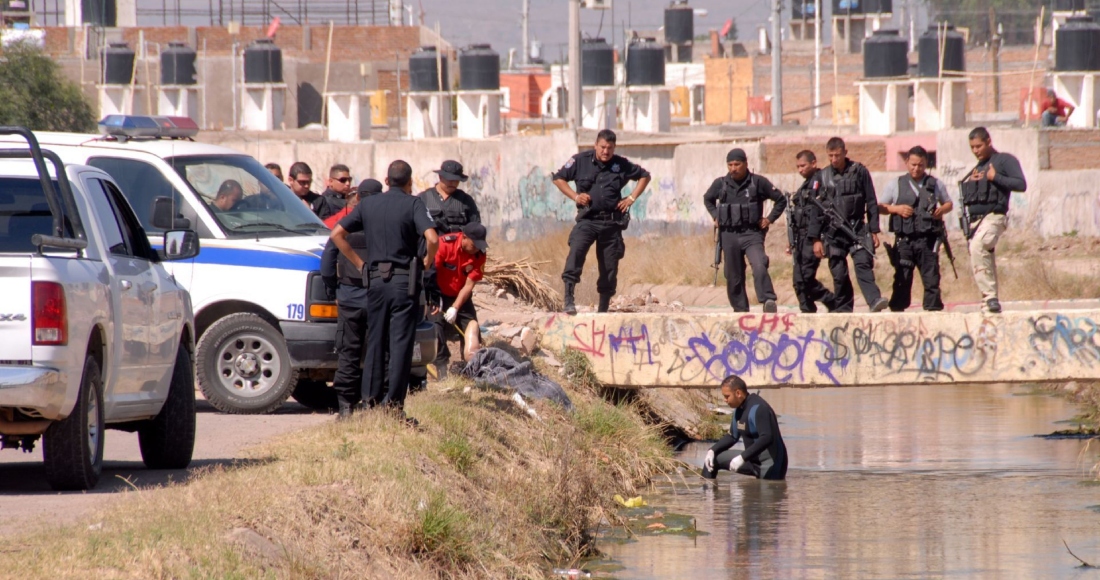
[{"x": 12, "y": 317}]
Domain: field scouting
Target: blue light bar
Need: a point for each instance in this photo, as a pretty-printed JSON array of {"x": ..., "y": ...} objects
[{"x": 134, "y": 126}]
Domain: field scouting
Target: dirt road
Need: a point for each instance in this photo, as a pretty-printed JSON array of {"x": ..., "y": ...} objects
[{"x": 27, "y": 501}]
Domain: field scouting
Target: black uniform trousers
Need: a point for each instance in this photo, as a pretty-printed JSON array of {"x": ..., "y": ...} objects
[
  {"x": 916, "y": 253},
  {"x": 736, "y": 247},
  {"x": 767, "y": 468},
  {"x": 864, "y": 263},
  {"x": 393, "y": 331},
  {"x": 807, "y": 287},
  {"x": 351, "y": 332},
  {"x": 610, "y": 248}
]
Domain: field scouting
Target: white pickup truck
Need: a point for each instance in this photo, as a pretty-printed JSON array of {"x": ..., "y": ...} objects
[{"x": 94, "y": 332}]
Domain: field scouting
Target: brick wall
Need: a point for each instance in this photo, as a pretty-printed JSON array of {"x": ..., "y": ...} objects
[
  {"x": 777, "y": 156},
  {"x": 1067, "y": 149}
]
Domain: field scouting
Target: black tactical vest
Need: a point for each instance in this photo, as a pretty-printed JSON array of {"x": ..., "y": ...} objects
[
  {"x": 982, "y": 196},
  {"x": 800, "y": 205},
  {"x": 740, "y": 209},
  {"x": 846, "y": 192},
  {"x": 345, "y": 270},
  {"x": 449, "y": 219},
  {"x": 921, "y": 222}
]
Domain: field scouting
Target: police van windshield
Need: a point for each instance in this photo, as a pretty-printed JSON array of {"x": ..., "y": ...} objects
[{"x": 245, "y": 198}]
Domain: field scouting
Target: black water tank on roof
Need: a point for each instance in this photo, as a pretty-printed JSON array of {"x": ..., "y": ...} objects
[
  {"x": 177, "y": 64},
  {"x": 885, "y": 54},
  {"x": 928, "y": 51},
  {"x": 479, "y": 68},
  {"x": 424, "y": 69},
  {"x": 842, "y": 7},
  {"x": 597, "y": 63},
  {"x": 1069, "y": 5},
  {"x": 263, "y": 62},
  {"x": 118, "y": 63},
  {"x": 877, "y": 6},
  {"x": 645, "y": 63},
  {"x": 679, "y": 23},
  {"x": 1077, "y": 45}
]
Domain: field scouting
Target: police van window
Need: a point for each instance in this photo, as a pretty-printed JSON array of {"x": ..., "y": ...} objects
[
  {"x": 244, "y": 198},
  {"x": 23, "y": 213},
  {"x": 143, "y": 183},
  {"x": 105, "y": 214}
]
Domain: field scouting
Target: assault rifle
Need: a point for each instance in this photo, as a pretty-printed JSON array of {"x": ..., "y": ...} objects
[
  {"x": 792, "y": 242},
  {"x": 717, "y": 254},
  {"x": 840, "y": 225}
]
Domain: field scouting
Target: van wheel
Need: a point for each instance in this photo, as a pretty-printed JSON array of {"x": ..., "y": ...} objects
[
  {"x": 244, "y": 366},
  {"x": 72, "y": 448},
  {"x": 316, "y": 395},
  {"x": 168, "y": 440}
]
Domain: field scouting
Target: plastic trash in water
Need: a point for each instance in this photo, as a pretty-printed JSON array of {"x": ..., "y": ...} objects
[
  {"x": 571, "y": 573},
  {"x": 634, "y": 502}
]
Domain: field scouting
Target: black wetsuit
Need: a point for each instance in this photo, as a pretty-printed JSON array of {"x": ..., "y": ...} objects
[{"x": 765, "y": 454}]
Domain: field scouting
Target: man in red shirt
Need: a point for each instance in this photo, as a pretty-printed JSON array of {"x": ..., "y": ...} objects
[
  {"x": 459, "y": 265},
  {"x": 1055, "y": 110}
]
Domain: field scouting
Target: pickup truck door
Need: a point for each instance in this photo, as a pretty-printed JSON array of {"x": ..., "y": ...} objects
[{"x": 133, "y": 288}]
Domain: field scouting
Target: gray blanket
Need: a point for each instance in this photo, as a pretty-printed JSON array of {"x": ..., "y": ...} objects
[{"x": 496, "y": 369}]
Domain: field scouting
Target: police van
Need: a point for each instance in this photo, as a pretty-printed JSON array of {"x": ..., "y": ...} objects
[{"x": 266, "y": 328}]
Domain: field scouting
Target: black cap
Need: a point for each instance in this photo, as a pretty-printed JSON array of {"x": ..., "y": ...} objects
[
  {"x": 476, "y": 232},
  {"x": 737, "y": 154},
  {"x": 369, "y": 187},
  {"x": 451, "y": 169}
]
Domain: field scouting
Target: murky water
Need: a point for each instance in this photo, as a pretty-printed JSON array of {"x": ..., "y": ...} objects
[{"x": 918, "y": 481}]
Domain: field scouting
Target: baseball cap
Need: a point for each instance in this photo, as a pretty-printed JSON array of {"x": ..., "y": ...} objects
[{"x": 476, "y": 233}]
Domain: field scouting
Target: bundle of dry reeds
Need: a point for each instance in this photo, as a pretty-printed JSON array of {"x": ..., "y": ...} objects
[{"x": 522, "y": 279}]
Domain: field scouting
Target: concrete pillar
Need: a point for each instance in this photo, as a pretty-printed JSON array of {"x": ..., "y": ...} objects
[
  {"x": 349, "y": 117},
  {"x": 428, "y": 115},
  {"x": 1080, "y": 90},
  {"x": 939, "y": 103},
  {"x": 262, "y": 106},
  {"x": 647, "y": 110},
  {"x": 74, "y": 13},
  {"x": 120, "y": 100},
  {"x": 178, "y": 101},
  {"x": 599, "y": 108},
  {"x": 883, "y": 107},
  {"x": 126, "y": 11},
  {"x": 478, "y": 114}
]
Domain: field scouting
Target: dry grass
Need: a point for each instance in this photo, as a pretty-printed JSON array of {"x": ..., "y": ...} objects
[
  {"x": 1027, "y": 271},
  {"x": 523, "y": 280},
  {"x": 484, "y": 490}
]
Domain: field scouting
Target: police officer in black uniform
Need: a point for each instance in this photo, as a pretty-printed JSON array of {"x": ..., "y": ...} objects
[
  {"x": 801, "y": 213},
  {"x": 736, "y": 202},
  {"x": 916, "y": 204},
  {"x": 450, "y": 207},
  {"x": 394, "y": 223},
  {"x": 602, "y": 214},
  {"x": 849, "y": 191},
  {"x": 765, "y": 454},
  {"x": 346, "y": 285}
]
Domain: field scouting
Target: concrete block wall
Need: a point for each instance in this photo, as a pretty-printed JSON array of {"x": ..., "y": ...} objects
[{"x": 826, "y": 350}]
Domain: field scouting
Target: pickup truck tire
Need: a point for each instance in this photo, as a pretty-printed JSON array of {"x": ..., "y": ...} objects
[
  {"x": 316, "y": 395},
  {"x": 244, "y": 366},
  {"x": 168, "y": 440},
  {"x": 72, "y": 448}
]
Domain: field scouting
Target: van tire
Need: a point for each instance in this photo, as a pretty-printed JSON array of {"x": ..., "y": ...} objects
[
  {"x": 316, "y": 395},
  {"x": 234, "y": 354},
  {"x": 72, "y": 461},
  {"x": 167, "y": 441}
]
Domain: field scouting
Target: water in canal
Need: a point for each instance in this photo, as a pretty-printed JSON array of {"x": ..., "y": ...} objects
[{"x": 917, "y": 481}]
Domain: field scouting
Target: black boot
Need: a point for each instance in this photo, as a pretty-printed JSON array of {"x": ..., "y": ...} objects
[
  {"x": 569, "y": 307},
  {"x": 605, "y": 302},
  {"x": 345, "y": 411}
]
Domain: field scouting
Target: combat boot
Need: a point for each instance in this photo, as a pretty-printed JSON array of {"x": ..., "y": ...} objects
[
  {"x": 569, "y": 307},
  {"x": 605, "y": 302}
]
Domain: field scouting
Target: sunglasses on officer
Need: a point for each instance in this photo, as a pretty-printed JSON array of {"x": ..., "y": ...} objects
[{"x": 344, "y": 179}]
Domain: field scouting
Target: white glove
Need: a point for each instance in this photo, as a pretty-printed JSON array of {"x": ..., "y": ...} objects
[
  {"x": 451, "y": 315},
  {"x": 737, "y": 463},
  {"x": 709, "y": 461}
]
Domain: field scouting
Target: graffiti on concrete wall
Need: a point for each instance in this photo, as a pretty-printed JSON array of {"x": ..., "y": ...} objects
[{"x": 791, "y": 349}]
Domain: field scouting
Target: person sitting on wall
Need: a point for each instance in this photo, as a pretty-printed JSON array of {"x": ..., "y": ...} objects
[{"x": 1055, "y": 110}]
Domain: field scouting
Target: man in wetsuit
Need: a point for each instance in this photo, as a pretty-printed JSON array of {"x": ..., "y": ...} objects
[{"x": 765, "y": 455}]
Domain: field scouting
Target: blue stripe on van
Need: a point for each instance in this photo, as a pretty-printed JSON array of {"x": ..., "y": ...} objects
[{"x": 255, "y": 259}]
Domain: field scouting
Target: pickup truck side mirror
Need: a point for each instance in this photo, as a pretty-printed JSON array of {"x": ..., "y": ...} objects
[
  {"x": 179, "y": 245},
  {"x": 165, "y": 216}
]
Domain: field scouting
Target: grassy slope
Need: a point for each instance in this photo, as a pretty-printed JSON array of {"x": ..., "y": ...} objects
[{"x": 483, "y": 490}]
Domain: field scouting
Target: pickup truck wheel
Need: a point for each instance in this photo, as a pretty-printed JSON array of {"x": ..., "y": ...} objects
[
  {"x": 244, "y": 366},
  {"x": 316, "y": 395},
  {"x": 168, "y": 440},
  {"x": 72, "y": 448}
]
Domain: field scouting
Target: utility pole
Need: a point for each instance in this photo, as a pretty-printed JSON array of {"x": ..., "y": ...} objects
[
  {"x": 777, "y": 65},
  {"x": 817, "y": 59},
  {"x": 526, "y": 39},
  {"x": 574, "y": 87}
]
